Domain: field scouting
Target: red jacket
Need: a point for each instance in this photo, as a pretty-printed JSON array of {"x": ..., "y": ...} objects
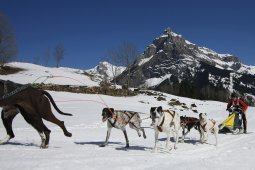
[{"x": 237, "y": 102}]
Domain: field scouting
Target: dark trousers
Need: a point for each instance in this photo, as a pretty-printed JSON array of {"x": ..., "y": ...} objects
[{"x": 244, "y": 121}]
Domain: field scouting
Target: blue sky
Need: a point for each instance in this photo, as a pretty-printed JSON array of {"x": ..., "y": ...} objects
[{"x": 88, "y": 28}]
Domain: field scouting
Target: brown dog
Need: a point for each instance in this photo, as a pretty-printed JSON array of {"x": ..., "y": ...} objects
[
  {"x": 187, "y": 123},
  {"x": 33, "y": 104}
]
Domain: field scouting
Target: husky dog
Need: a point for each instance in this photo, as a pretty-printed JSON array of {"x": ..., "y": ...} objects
[
  {"x": 187, "y": 123},
  {"x": 119, "y": 119},
  {"x": 162, "y": 121},
  {"x": 206, "y": 126}
]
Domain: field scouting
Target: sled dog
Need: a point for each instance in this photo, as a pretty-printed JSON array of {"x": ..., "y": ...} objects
[
  {"x": 163, "y": 121},
  {"x": 119, "y": 119},
  {"x": 207, "y": 126},
  {"x": 187, "y": 123}
]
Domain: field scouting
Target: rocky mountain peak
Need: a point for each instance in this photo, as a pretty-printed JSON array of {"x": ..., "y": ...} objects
[
  {"x": 172, "y": 63},
  {"x": 104, "y": 70}
]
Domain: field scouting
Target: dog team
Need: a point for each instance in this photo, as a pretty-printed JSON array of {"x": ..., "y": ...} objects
[
  {"x": 35, "y": 105},
  {"x": 162, "y": 121}
]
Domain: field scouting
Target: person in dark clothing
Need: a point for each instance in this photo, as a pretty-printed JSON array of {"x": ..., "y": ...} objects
[{"x": 235, "y": 101}]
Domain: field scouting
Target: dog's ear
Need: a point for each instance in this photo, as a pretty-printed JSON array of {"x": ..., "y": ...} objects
[
  {"x": 159, "y": 109},
  {"x": 153, "y": 109},
  {"x": 112, "y": 109}
]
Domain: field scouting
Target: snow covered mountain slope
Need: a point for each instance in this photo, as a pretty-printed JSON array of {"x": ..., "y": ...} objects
[
  {"x": 52, "y": 75},
  {"x": 35, "y": 73},
  {"x": 105, "y": 71}
]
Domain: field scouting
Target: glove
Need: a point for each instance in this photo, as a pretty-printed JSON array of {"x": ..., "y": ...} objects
[
  {"x": 237, "y": 108},
  {"x": 229, "y": 109}
]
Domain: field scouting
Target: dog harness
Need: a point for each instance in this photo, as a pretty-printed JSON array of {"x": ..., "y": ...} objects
[
  {"x": 16, "y": 88},
  {"x": 160, "y": 126},
  {"x": 112, "y": 124},
  {"x": 203, "y": 126},
  {"x": 121, "y": 118}
]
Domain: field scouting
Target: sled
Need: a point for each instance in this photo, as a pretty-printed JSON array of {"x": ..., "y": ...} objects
[{"x": 233, "y": 123}]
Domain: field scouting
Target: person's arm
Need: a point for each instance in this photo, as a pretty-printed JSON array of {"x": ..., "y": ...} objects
[
  {"x": 244, "y": 106},
  {"x": 229, "y": 104}
]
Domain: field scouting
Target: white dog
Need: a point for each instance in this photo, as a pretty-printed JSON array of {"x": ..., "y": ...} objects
[
  {"x": 162, "y": 121},
  {"x": 207, "y": 126}
]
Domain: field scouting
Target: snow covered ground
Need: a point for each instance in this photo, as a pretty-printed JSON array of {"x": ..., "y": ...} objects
[{"x": 82, "y": 150}]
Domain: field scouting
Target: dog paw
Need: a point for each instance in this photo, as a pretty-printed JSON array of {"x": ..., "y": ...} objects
[{"x": 44, "y": 146}]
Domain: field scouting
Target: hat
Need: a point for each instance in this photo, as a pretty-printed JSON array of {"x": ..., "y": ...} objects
[{"x": 233, "y": 95}]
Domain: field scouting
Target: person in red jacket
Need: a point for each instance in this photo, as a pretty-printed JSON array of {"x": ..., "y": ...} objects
[{"x": 235, "y": 101}]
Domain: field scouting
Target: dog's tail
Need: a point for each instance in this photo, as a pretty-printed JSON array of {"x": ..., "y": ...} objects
[{"x": 54, "y": 104}]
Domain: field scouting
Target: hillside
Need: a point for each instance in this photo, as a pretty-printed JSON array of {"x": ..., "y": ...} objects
[{"x": 38, "y": 74}]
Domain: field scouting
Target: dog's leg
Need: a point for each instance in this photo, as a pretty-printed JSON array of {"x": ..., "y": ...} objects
[
  {"x": 107, "y": 137},
  {"x": 152, "y": 123},
  {"x": 216, "y": 131},
  {"x": 43, "y": 138},
  {"x": 216, "y": 138},
  {"x": 138, "y": 132},
  {"x": 201, "y": 135},
  {"x": 206, "y": 136},
  {"x": 37, "y": 123},
  {"x": 6, "y": 139},
  {"x": 135, "y": 126},
  {"x": 176, "y": 132},
  {"x": 156, "y": 140},
  {"x": 47, "y": 132},
  {"x": 49, "y": 116},
  {"x": 126, "y": 137},
  {"x": 144, "y": 135},
  {"x": 183, "y": 134},
  {"x": 138, "y": 128},
  {"x": 167, "y": 139},
  {"x": 7, "y": 118}
]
